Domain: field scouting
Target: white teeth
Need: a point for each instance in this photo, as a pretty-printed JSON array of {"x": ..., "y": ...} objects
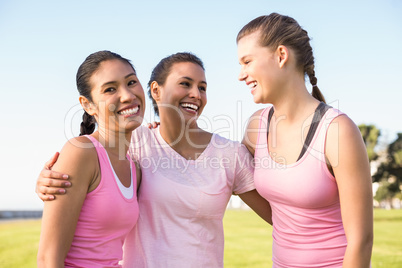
[
  {"x": 252, "y": 85},
  {"x": 189, "y": 105},
  {"x": 130, "y": 111}
]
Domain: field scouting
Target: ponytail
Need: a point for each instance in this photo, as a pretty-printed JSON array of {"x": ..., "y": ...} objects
[{"x": 88, "y": 124}]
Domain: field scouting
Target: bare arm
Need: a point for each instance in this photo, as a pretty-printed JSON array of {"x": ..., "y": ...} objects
[
  {"x": 347, "y": 155},
  {"x": 252, "y": 198},
  {"x": 251, "y": 133},
  {"x": 60, "y": 217},
  {"x": 259, "y": 204},
  {"x": 51, "y": 182}
]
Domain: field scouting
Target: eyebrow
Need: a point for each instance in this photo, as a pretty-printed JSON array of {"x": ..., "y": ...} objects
[
  {"x": 114, "y": 82},
  {"x": 189, "y": 78},
  {"x": 242, "y": 58}
]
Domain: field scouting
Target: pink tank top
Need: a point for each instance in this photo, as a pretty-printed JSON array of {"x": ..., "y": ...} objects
[
  {"x": 306, "y": 214},
  {"x": 106, "y": 218}
]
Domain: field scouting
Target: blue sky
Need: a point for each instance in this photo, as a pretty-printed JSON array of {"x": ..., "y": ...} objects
[{"x": 357, "y": 46}]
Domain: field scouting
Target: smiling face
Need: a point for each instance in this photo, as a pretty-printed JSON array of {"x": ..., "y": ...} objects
[
  {"x": 260, "y": 68},
  {"x": 117, "y": 97},
  {"x": 183, "y": 93}
]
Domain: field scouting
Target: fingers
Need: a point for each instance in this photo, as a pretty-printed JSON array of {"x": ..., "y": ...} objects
[
  {"x": 49, "y": 164},
  {"x": 45, "y": 197},
  {"x": 153, "y": 125},
  {"x": 44, "y": 190},
  {"x": 48, "y": 193},
  {"x": 51, "y": 182},
  {"x": 47, "y": 173}
]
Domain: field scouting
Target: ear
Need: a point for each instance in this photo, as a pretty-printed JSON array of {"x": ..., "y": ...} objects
[
  {"x": 87, "y": 105},
  {"x": 283, "y": 55},
  {"x": 155, "y": 90}
]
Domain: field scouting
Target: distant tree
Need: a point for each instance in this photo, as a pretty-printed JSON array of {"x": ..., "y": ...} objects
[
  {"x": 383, "y": 192},
  {"x": 370, "y": 134},
  {"x": 391, "y": 170}
]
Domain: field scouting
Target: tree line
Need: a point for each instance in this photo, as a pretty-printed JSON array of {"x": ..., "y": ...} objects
[{"x": 386, "y": 163}]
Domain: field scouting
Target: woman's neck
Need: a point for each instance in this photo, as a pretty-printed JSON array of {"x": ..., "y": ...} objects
[
  {"x": 295, "y": 103},
  {"x": 115, "y": 143},
  {"x": 181, "y": 134}
]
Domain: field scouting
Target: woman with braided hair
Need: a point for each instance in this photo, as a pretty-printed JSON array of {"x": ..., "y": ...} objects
[
  {"x": 87, "y": 227},
  {"x": 310, "y": 160}
]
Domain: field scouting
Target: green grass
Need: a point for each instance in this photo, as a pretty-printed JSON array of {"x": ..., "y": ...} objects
[
  {"x": 19, "y": 242},
  {"x": 247, "y": 241},
  {"x": 387, "y": 250}
]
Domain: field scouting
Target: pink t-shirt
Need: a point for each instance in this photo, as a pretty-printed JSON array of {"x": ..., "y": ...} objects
[
  {"x": 106, "y": 218},
  {"x": 182, "y": 202},
  {"x": 306, "y": 214}
]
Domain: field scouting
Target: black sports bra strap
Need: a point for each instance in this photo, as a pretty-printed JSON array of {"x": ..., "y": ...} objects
[
  {"x": 321, "y": 109},
  {"x": 270, "y": 114}
]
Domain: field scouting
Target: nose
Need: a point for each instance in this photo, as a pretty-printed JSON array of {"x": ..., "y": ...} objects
[
  {"x": 126, "y": 95},
  {"x": 242, "y": 75},
  {"x": 194, "y": 92}
]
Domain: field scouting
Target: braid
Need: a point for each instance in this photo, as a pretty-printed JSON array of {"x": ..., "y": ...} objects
[
  {"x": 88, "y": 124},
  {"x": 316, "y": 93}
]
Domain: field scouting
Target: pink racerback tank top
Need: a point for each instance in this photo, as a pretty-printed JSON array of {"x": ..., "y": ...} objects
[{"x": 306, "y": 214}]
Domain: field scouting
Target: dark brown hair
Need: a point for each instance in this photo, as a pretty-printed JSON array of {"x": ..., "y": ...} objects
[
  {"x": 276, "y": 30},
  {"x": 84, "y": 73},
  {"x": 163, "y": 68}
]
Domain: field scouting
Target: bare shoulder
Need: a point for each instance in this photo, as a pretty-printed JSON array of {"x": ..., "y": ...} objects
[
  {"x": 251, "y": 133},
  {"x": 254, "y": 118},
  {"x": 79, "y": 147},
  {"x": 78, "y": 155},
  {"x": 344, "y": 141},
  {"x": 343, "y": 127}
]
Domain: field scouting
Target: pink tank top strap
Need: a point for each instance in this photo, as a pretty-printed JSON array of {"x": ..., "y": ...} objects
[
  {"x": 100, "y": 150},
  {"x": 107, "y": 168}
]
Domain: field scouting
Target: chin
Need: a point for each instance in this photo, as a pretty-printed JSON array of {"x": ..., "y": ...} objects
[
  {"x": 256, "y": 99},
  {"x": 130, "y": 126}
]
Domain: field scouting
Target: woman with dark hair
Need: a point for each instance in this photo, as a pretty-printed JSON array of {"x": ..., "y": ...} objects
[
  {"x": 316, "y": 174},
  {"x": 188, "y": 175},
  {"x": 87, "y": 227}
]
